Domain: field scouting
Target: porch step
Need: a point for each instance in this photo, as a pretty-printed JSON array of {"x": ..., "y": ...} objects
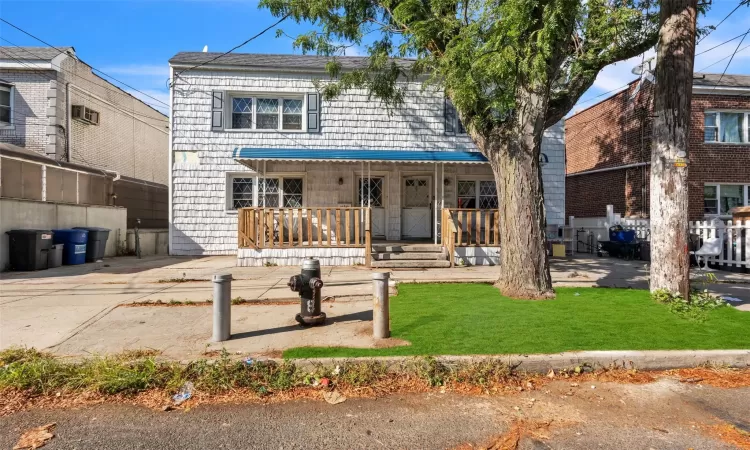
[
  {"x": 418, "y": 248},
  {"x": 401, "y": 256},
  {"x": 410, "y": 264}
]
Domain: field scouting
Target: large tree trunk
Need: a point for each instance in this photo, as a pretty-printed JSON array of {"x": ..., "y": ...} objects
[
  {"x": 670, "y": 264},
  {"x": 513, "y": 151}
]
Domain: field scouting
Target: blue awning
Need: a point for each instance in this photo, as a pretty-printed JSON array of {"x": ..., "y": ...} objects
[{"x": 330, "y": 155}]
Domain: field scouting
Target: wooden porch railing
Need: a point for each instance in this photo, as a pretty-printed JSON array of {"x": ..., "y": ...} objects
[
  {"x": 470, "y": 227},
  {"x": 305, "y": 227}
]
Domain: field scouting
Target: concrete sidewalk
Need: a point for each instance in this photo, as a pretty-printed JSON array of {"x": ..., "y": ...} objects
[{"x": 48, "y": 309}]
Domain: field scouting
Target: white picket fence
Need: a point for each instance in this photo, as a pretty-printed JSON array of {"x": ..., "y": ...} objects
[{"x": 735, "y": 236}]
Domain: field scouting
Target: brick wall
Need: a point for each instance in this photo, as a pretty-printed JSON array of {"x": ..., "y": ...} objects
[
  {"x": 131, "y": 138},
  {"x": 33, "y": 109},
  {"x": 609, "y": 135},
  {"x": 714, "y": 162}
]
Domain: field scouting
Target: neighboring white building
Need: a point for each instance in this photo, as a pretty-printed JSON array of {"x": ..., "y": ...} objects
[{"x": 244, "y": 118}]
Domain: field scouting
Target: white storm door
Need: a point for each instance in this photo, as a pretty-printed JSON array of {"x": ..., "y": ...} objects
[{"x": 416, "y": 211}]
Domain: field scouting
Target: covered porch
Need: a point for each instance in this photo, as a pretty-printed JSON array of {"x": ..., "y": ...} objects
[{"x": 364, "y": 207}]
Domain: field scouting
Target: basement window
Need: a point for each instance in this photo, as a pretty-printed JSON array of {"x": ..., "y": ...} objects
[{"x": 719, "y": 199}]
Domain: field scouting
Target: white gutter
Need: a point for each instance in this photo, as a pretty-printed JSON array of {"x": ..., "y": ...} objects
[{"x": 609, "y": 169}]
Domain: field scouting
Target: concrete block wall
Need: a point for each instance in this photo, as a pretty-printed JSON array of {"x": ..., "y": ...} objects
[
  {"x": 201, "y": 223},
  {"x": 18, "y": 214}
]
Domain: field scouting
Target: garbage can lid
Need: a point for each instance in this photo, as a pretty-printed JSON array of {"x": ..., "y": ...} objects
[
  {"x": 28, "y": 231},
  {"x": 92, "y": 228}
]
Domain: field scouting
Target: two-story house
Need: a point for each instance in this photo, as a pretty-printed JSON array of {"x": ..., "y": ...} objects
[
  {"x": 250, "y": 132},
  {"x": 608, "y": 150},
  {"x": 55, "y": 105}
]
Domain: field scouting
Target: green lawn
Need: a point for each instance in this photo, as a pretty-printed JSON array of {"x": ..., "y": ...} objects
[{"x": 461, "y": 319}]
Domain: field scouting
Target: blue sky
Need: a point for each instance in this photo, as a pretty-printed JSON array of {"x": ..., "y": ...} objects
[{"x": 132, "y": 40}]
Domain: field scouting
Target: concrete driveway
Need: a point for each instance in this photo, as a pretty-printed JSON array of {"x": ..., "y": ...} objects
[{"x": 72, "y": 309}]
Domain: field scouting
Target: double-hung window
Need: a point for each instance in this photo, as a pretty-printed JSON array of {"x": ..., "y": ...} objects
[
  {"x": 726, "y": 127},
  {"x": 719, "y": 199},
  {"x": 480, "y": 194},
  {"x": 270, "y": 192},
  {"x": 6, "y": 105},
  {"x": 266, "y": 112}
]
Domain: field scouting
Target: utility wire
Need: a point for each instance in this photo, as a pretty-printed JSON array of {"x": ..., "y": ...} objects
[
  {"x": 42, "y": 73},
  {"x": 35, "y": 70},
  {"x": 92, "y": 67},
  {"x": 725, "y": 42},
  {"x": 722, "y": 59},
  {"x": 107, "y": 87},
  {"x": 233, "y": 48},
  {"x": 731, "y": 58},
  {"x": 722, "y": 21}
]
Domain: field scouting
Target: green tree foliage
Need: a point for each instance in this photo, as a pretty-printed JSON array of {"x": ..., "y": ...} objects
[{"x": 511, "y": 67}]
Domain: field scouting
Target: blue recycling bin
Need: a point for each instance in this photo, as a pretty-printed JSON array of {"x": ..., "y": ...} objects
[{"x": 74, "y": 250}]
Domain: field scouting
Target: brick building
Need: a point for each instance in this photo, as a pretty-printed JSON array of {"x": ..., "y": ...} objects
[
  {"x": 608, "y": 150},
  {"x": 55, "y": 105}
]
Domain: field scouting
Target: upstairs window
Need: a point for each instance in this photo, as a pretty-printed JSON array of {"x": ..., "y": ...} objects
[
  {"x": 6, "y": 105},
  {"x": 453, "y": 125},
  {"x": 266, "y": 112},
  {"x": 731, "y": 127}
]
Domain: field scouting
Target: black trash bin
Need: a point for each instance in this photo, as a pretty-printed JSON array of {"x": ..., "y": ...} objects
[
  {"x": 28, "y": 249},
  {"x": 96, "y": 243}
]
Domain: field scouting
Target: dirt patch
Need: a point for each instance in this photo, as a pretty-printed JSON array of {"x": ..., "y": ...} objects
[
  {"x": 729, "y": 434},
  {"x": 717, "y": 377},
  {"x": 511, "y": 439}
]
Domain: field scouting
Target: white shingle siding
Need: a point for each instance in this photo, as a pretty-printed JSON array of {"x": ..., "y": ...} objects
[{"x": 201, "y": 223}]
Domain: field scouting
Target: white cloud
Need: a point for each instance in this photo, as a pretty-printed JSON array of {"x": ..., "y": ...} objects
[
  {"x": 146, "y": 94},
  {"x": 616, "y": 76},
  {"x": 146, "y": 70},
  {"x": 354, "y": 51}
]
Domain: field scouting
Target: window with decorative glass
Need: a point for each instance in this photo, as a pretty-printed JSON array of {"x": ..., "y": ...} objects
[
  {"x": 719, "y": 199},
  {"x": 242, "y": 192},
  {"x": 480, "y": 194},
  {"x": 248, "y": 191},
  {"x": 726, "y": 127},
  {"x": 266, "y": 112},
  {"x": 371, "y": 192}
]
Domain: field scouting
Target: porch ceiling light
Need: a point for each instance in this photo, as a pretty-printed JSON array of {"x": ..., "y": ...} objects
[
  {"x": 341, "y": 181},
  {"x": 447, "y": 182}
]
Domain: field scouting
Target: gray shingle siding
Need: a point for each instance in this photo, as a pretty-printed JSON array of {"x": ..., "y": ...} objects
[{"x": 201, "y": 223}]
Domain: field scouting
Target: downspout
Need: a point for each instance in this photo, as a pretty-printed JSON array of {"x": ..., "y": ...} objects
[{"x": 68, "y": 129}]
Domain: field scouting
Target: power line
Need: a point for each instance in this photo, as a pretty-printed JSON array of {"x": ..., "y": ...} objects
[
  {"x": 114, "y": 109},
  {"x": 722, "y": 59},
  {"x": 730, "y": 59},
  {"x": 103, "y": 86},
  {"x": 725, "y": 42},
  {"x": 92, "y": 67},
  {"x": 233, "y": 48},
  {"x": 36, "y": 70},
  {"x": 722, "y": 21}
]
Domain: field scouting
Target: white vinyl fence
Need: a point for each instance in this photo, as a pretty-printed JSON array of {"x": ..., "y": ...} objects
[{"x": 735, "y": 236}]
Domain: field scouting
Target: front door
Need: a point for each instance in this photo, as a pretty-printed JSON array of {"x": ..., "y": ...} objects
[{"x": 416, "y": 211}]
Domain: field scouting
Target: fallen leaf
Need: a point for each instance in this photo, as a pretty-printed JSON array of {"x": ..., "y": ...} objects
[
  {"x": 36, "y": 437},
  {"x": 551, "y": 373},
  {"x": 334, "y": 397}
]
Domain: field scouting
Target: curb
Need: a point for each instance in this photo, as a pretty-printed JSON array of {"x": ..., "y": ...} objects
[{"x": 626, "y": 359}]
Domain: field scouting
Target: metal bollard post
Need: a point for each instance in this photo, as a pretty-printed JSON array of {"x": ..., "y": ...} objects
[
  {"x": 381, "y": 316},
  {"x": 222, "y": 307}
]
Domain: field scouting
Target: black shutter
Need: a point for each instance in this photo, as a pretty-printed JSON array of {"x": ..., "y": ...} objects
[
  {"x": 449, "y": 114},
  {"x": 313, "y": 112},
  {"x": 217, "y": 110}
]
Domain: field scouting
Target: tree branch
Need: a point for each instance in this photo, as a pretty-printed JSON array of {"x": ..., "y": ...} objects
[{"x": 585, "y": 75}]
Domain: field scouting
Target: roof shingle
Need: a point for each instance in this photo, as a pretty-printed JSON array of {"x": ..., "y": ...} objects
[
  {"x": 32, "y": 53},
  {"x": 270, "y": 61}
]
